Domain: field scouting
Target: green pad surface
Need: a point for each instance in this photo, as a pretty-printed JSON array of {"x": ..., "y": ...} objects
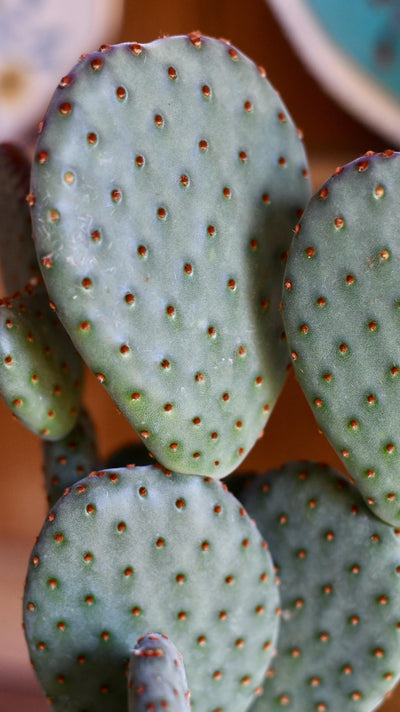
[
  {"x": 342, "y": 318},
  {"x": 68, "y": 460},
  {"x": 18, "y": 261},
  {"x": 134, "y": 551},
  {"x": 339, "y": 571},
  {"x": 40, "y": 371},
  {"x": 168, "y": 179},
  {"x": 157, "y": 677}
]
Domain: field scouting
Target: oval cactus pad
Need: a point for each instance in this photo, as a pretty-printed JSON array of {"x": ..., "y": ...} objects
[
  {"x": 339, "y": 570},
  {"x": 342, "y": 318},
  {"x": 41, "y": 373},
  {"x": 132, "y": 551},
  {"x": 168, "y": 179}
]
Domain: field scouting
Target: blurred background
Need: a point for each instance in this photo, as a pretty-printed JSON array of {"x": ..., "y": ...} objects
[{"x": 332, "y": 137}]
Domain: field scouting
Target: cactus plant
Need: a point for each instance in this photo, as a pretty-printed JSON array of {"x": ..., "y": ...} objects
[
  {"x": 167, "y": 180},
  {"x": 338, "y": 566},
  {"x": 157, "y": 678},
  {"x": 134, "y": 550},
  {"x": 341, "y": 312},
  {"x": 166, "y": 183}
]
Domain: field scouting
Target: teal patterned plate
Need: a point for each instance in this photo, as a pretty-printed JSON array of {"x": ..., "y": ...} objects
[{"x": 352, "y": 47}]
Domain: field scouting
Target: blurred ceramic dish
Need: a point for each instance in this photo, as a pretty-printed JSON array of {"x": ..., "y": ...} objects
[
  {"x": 352, "y": 47},
  {"x": 39, "y": 42}
]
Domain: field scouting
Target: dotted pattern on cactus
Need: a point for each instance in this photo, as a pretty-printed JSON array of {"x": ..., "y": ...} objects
[
  {"x": 40, "y": 372},
  {"x": 168, "y": 178},
  {"x": 342, "y": 317},
  {"x": 339, "y": 570},
  {"x": 132, "y": 551},
  {"x": 157, "y": 677}
]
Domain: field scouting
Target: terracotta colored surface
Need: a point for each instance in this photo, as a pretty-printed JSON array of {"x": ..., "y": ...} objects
[{"x": 332, "y": 137}]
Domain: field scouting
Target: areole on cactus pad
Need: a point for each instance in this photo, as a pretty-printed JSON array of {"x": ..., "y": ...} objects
[{"x": 167, "y": 181}]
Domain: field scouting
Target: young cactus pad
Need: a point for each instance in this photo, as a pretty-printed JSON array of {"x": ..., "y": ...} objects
[
  {"x": 157, "y": 677},
  {"x": 342, "y": 318},
  {"x": 168, "y": 179},
  {"x": 136, "y": 550},
  {"x": 40, "y": 371},
  {"x": 339, "y": 568},
  {"x": 18, "y": 261},
  {"x": 68, "y": 460}
]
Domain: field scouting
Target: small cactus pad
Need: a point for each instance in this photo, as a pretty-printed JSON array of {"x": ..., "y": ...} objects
[
  {"x": 168, "y": 179},
  {"x": 68, "y": 460},
  {"x": 136, "y": 550},
  {"x": 18, "y": 261},
  {"x": 339, "y": 570},
  {"x": 40, "y": 371},
  {"x": 342, "y": 318},
  {"x": 157, "y": 677}
]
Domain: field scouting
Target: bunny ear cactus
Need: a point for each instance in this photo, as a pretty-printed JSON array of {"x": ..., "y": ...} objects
[
  {"x": 339, "y": 572},
  {"x": 342, "y": 317},
  {"x": 18, "y": 261},
  {"x": 157, "y": 678},
  {"x": 167, "y": 180},
  {"x": 134, "y": 550}
]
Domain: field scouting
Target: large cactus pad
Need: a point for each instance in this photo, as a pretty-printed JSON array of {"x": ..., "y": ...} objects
[
  {"x": 140, "y": 550},
  {"x": 168, "y": 179},
  {"x": 342, "y": 317},
  {"x": 339, "y": 568}
]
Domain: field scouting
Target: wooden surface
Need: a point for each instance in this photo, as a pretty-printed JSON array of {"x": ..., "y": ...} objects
[{"x": 332, "y": 138}]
